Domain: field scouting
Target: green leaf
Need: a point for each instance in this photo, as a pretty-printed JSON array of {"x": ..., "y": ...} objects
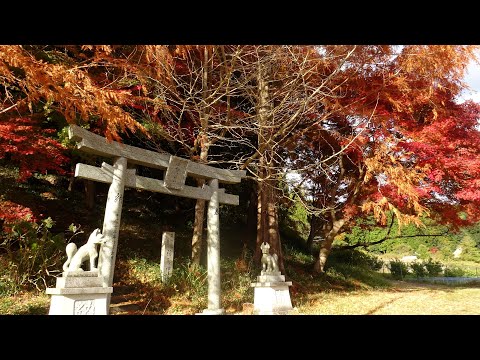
[
  {"x": 48, "y": 222},
  {"x": 72, "y": 228}
]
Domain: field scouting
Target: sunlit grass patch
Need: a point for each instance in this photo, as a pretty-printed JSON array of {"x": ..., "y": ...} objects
[
  {"x": 403, "y": 298},
  {"x": 361, "y": 277},
  {"x": 31, "y": 303}
]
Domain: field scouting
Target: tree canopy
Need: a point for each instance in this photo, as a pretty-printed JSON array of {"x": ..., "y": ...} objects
[{"x": 370, "y": 129}]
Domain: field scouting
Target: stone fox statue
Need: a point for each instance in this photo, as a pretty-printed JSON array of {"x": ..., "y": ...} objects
[
  {"x": 269, "y": 262},
  {"x": 75, "y": 257}
]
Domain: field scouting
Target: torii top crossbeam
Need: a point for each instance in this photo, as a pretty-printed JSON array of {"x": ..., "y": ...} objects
[{"x": 97, "y": 145}]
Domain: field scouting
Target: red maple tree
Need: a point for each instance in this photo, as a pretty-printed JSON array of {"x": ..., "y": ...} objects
[
  {"x": 24, "y": 142},
  {"x": 405, "y": 147}
]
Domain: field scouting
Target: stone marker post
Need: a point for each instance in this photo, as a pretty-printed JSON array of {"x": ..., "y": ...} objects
[
  {"x": 166, "y": 259},
  {"x": 111, "y": 222},
  {"x": 213, "y": 252}
]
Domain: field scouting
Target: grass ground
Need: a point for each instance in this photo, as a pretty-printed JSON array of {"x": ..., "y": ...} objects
[
  {"x": 345, "y": 289},
  {"x": 402, "y": 298}
]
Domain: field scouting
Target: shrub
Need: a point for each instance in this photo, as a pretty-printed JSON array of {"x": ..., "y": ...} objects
[
  {"x": 453, "y": 272},
  {"x": 32, "y": 255},
  {"x": 356, "y": 257},
  {"x": 7, "y": 284},
  {"x": 11, "y": 212},
  {"x": 398, "y": 269},
  {"x": 433, "y": 268},
  {"x": 419, "y": 269}
]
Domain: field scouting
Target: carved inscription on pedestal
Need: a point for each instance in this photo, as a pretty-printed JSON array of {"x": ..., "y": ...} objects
[{"x": 84, "y": 307}]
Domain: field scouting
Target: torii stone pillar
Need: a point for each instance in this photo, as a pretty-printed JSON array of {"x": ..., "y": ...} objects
[
  {"x": 213, "y": 253},
  {"x": 111, "y": 223}
]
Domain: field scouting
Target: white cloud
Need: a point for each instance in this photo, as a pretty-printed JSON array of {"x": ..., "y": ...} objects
[
  {"x": 474, "y": 96},
  {"x": 472, "y": 78}
]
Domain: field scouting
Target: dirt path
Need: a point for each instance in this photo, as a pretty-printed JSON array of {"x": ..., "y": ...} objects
[{"x": 403, "y": 299}]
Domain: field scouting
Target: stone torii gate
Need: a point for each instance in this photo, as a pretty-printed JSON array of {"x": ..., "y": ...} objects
[{"x": 177, "y": 170}]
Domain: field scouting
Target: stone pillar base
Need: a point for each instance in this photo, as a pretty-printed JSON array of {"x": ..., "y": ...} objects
[
  {"x": 271, "y": 295},
  {"x": 212, "y": 312},
  {"x": 79, "y": 293}
]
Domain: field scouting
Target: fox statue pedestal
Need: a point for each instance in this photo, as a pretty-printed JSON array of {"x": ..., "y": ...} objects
[
  {"x": 79, "y": 293},
  {"x": 271, "y": 296}
]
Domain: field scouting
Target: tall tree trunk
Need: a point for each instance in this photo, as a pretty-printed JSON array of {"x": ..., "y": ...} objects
[
  {"x": 198, "y": 228},
  {"x": 204, "y": 142},
  {"x": 326, "y": 245},
  {"x": 260, "y": 217},
  {"x": 267, "y": 214},
  {"x": 89, "y": 194},
  {"x": 198, "y": 223},
  {"x": 314, "y": 231},
  {"x": 71, "y": 180},
  {"x": 251, "y": 222},
  {"x": 335, "y": 224},
  {"x": 272, "y": 223},
  {"x": 267, "y": 222}
]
